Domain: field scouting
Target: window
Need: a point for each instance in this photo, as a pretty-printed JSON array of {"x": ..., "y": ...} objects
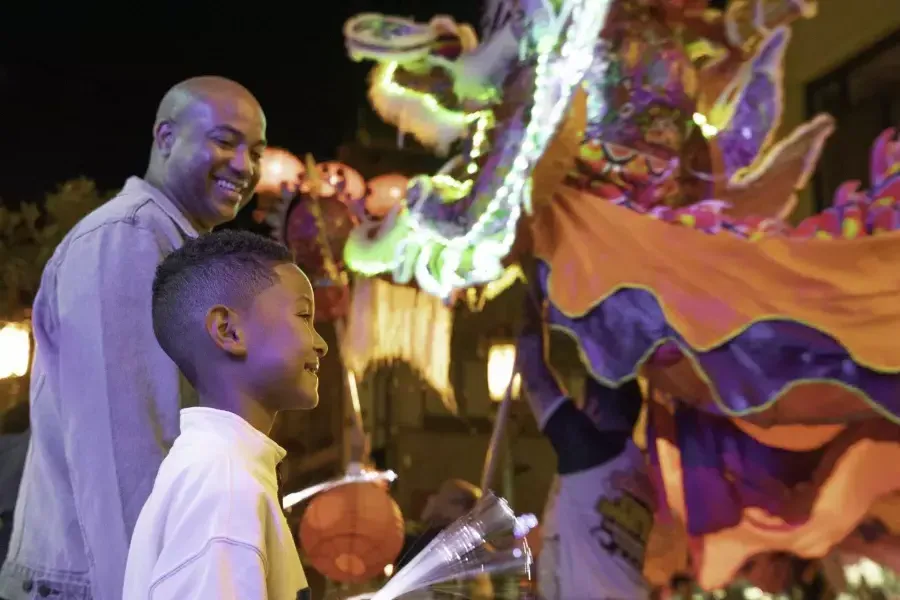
[{"x": 863, "y": 96}]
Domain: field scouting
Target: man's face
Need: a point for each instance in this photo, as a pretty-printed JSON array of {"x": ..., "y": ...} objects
[
  {"x": 283, "y": 346},
  {"x": 213, "y": 164}
]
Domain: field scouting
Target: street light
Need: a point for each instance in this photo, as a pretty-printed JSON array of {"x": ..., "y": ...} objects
[
  {"x": 500, "y": 369},
  {"x": 15, "y": 350},
  {"x": 503, "y": 388}
]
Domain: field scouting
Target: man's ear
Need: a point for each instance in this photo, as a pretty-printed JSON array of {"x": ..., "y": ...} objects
[
  {"x": 164, "y": 137},
  {"x": 224, "y": 329}
]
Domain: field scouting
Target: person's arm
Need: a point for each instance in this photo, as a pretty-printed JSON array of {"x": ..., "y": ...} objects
[
  {"x": 223, "y": 570},
  {"x": 119, "y": 391},
  {"x": 579, "y": 442}
]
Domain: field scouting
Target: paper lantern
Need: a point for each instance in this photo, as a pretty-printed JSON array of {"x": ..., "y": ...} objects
[
  {"x": 302, "y": 233},
  {"x": 346, "y": 182},
  {"x": 276, "y": 167},
  {"x": 384, "y": 193},
  {"x": 351, "y": 533}
]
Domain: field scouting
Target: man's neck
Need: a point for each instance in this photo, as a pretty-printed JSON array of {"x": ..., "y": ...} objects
[{"x": 157, "y": 183}]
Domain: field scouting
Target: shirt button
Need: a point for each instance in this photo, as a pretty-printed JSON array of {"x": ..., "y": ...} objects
[
  {"x": 44, "y": 591},
  {"x": 27, "y": 586}
]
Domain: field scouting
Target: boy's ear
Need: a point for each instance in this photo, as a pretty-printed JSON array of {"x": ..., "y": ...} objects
[{"x": 223, "y": 327}]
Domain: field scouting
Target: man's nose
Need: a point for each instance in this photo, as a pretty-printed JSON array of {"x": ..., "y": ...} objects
[{"x": 241, "y": 162}]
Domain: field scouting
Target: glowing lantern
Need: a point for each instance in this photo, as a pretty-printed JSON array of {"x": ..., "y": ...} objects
[
  {"x": 343, "y": 181},
  {"x": 351, "y": 534},
  {"x": 501, "y": 364},
  {"x": 15, "y": 350},
  {"x": 278, "y": 166},
  {"x": 385, "y": 192}
]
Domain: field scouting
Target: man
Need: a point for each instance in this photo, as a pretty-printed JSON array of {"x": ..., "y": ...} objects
[
  {"x": 600, "y": 511},
  {"x": 13, "y": 449},
  {"x": 105, "y": 398}
]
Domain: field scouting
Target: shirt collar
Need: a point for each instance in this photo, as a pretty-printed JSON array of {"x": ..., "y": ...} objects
[
  {"x": 234, "y": 432},
  {"x": 138, "y": 186}
]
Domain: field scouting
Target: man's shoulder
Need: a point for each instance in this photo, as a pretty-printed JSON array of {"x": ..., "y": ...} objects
[{"x": 128, "y": 208}]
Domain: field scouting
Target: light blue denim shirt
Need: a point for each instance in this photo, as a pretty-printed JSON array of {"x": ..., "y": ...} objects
[{"x": 105, "y": 401}]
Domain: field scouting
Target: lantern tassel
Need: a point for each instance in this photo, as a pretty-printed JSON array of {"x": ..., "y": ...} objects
[{"x": 489, "y": 539}]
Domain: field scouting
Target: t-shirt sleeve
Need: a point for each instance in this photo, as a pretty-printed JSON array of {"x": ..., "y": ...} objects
[{"x": 224, "y": 569}]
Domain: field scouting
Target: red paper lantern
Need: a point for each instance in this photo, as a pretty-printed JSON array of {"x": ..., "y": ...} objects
[
  {"x": 351, "y": 533},
  {"x": 385, "y": 192}
]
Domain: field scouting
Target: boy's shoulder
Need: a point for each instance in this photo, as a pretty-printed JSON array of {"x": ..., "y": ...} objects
[
  {"x": 210, "y": 480},
  {"x": 204, "y": 497}
]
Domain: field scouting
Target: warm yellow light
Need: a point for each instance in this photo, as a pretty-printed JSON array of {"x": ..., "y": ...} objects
[
  {"x": 501, "y": 365},
  {"x": 388, "y": 570},
  {"x": 276, "y": 167},
  {"x": 15, "y": 349}
]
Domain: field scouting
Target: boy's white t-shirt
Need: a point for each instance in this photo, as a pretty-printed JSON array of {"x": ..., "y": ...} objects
[
  {"x": 595, "y": 531},
  {"x": 213, "y": 527}
]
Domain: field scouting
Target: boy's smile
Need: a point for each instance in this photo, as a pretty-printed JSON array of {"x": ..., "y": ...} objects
[{"x": 283, "y": 347}]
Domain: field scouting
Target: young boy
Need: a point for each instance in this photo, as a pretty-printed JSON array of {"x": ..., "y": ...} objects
[
  {"x": 601, "y": 508},
  {"x": 236, "y": 315}
]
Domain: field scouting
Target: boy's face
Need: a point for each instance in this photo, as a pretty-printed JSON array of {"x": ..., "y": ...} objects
[{"x": 283, "y": 346}]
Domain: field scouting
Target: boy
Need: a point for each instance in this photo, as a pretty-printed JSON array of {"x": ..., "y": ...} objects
[
  {"x": 601, "y": 507},
  {"x": 236, "y": 315}
]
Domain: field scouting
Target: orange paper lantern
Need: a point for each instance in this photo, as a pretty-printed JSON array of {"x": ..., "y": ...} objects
[
  {"x": 276, "y": 167},
  {"x": 351, "y": 533},
  {"x": 385, "y": 192}
]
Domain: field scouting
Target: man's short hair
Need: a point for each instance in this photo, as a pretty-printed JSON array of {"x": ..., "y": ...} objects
[{"x": 227, "y": 267}]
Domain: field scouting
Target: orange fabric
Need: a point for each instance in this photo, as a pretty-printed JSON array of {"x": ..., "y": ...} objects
[
  {"x": 850, "y": 485},
  {"x": 805, "y": 403},
  {"x": 711, "y": 287},
  {"x": 843, "y": 501}
]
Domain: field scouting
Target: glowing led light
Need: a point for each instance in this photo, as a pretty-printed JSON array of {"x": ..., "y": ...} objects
[
  {"x": 501, "y": 365},
  {"x": 15, "y": 350},
  {"x": 436, "y": 259}
]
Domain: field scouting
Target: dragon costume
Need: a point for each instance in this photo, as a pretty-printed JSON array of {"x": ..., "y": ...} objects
[{"x": 629, "y": 145}]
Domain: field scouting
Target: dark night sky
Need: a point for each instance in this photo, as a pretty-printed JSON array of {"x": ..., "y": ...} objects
[
  {"x": 86, "y": 106},
  {"x": 90, "y": 111}
]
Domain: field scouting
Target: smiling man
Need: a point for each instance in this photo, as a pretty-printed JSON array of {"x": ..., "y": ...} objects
[{"x": 105, "y": 398}]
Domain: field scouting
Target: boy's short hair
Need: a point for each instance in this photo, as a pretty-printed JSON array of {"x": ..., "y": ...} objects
[{"x": 227, "y": 267}]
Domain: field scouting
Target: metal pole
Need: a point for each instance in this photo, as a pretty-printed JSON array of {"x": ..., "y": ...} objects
[{"x": 490, "y": 459}]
